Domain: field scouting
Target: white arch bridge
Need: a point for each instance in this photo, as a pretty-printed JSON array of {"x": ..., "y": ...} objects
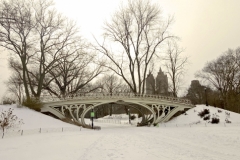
[{"x": 153, "y": 108}]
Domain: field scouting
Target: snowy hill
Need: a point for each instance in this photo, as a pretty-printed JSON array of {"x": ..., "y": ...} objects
[
  {"x": 124, "y": 141},
  {"x": 33, "y": 119},
  {"x": 192, "y": 117}
]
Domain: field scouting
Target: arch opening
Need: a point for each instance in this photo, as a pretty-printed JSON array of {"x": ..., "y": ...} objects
[{"x": 145, "y": 111}]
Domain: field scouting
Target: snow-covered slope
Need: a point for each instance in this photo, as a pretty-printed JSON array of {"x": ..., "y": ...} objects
[
  {"x": 191, "y": 116},
  {"x": 32, "y": 119}
]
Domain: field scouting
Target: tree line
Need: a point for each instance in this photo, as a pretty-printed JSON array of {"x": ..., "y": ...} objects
[{"x": 222, "y": 82}]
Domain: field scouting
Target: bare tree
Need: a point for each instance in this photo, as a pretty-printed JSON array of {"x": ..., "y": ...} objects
[
  {"x": 37, "y": 34},
  {"x": 111, "y": 84},
  {"x": 137, "y": 32},
  {"x": 15, "y": 28},
  {"x": 15, "y": 82},
  {"x": 15, "y": 87},
  {"x": 73, "y": 74},
  {"x": 175, "y": 66},
  {"x": 56, "y": 34}
]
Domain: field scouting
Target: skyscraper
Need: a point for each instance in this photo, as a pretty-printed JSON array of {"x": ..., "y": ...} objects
[
  {"x": 150, "y": 84},
  {"x": 161, "y": 83},
  {"x": 158, "y": 85}
]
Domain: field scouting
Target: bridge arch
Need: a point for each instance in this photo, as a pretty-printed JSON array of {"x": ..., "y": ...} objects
[{"x": 99, "y": 104}]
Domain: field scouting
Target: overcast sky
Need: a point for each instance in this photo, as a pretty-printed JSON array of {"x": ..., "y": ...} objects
[{"x": 207, "y": 28}]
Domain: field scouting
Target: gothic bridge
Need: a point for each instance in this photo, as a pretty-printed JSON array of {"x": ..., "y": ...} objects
[{"x": 153, "y": 108}]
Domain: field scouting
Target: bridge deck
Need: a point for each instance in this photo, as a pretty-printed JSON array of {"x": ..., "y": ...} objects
[{"x": 94, "y": 96}]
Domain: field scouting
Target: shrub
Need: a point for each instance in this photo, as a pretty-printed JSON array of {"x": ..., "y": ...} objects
[
  {"x": 132, "y": 117},
  {"x": 7, "y": 100},
  {"x": 8, "y": 120},
  {"x": 207, "y": 117},
  {"x": 32, "y": 103},
  {"x": 215, "y": 120},
  {"x": 219, "y": 111},
  {"x": 203, "y": 113}
]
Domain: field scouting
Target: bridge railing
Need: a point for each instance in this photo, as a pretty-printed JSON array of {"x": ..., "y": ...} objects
[{"x": 86, "y": 96}]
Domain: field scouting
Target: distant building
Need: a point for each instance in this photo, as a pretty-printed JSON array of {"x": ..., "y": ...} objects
[
  {"x": 196, "y": 92},
  {"x": 161, "y": 83},
  {"x": 195, "y": 83},
  {"x": 150, "y": 84},
  {"x": 158, "y": 85}
]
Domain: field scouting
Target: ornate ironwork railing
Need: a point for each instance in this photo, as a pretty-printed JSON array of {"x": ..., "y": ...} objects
[{"x": 88, "y": 96}]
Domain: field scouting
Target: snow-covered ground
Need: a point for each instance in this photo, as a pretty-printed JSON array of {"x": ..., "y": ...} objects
[{"x": 186, "y": 137}]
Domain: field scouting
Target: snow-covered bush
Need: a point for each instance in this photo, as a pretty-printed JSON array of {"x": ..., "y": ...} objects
[
  {"x": 8, "y": 100},
  {"x": 132, "y": 117},
  {"x": 215, "y": 120},
  {"x": 203, "y": 113},
  {"x": 207, "y": 117}
]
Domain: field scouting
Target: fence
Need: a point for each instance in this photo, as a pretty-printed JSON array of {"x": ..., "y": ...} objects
[{"x": 20, "y": 132}]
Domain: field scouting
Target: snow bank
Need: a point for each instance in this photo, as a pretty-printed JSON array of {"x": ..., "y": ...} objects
[
  {"x": 191, "y": 116},
  {"x": 33, "y": 119}
]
